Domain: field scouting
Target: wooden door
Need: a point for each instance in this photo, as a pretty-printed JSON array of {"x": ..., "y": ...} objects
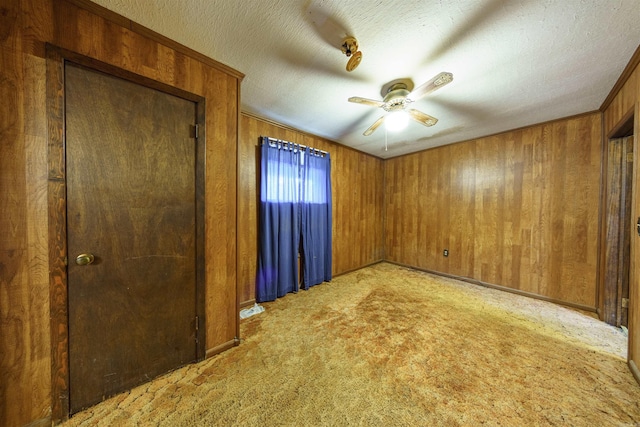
[{"x": 131, "y": 205}]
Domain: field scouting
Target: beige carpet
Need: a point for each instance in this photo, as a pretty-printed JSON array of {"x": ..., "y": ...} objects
[{"x": 389, "y": 346}]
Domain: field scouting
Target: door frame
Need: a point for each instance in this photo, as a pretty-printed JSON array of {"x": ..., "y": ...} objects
[
  {"x": 56, "y": 58},
  {"x": 633, "y": 352},
  {"x": 616, "y": 237}
]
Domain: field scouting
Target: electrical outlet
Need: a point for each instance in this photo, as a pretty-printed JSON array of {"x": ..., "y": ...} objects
[{"x": 445, "y": 252}]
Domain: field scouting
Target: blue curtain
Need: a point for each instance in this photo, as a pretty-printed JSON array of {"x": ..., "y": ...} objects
[
  {"x": 316, "y": 218},
  {"x": 295, "y": 216},
  {"x": 279, "y": 238}
]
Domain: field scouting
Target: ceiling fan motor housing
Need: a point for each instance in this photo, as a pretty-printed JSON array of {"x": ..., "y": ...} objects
[
  {"x": 349, "y": 46},
  {"x": 396, "y": 98}
]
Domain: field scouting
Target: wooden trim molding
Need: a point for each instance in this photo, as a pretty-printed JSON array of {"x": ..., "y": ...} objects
[
  {"x": 342, "y": 273},
  {"x": 624, "y": 126},
  {"x": 501, "y": 288},
  {"x": 247, "y": 303},
  {"x": 626, "y": 73},
  {"x": 252, "y": 301},
  {"x": 239, "y": 305},
  {"x": 600, "y": 262},
  {"x": 201, "y": 153},
  {"x": 281, "y": 126},
  {"x": 152, "y": 35},
  {"x": 222, "y": 347},
  {"x": 57, "y": 237},
  {"x": 561, "y": 119}
]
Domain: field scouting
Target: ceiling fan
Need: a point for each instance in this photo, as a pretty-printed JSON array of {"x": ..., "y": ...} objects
[{"x": 398, "y": 95}]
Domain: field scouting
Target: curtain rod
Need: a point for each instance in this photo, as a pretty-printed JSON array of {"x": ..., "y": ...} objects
[{"x": 293, "y": 143}]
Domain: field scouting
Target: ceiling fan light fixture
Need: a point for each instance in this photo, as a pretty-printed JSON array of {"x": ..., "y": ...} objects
[
  {"x": 397, "y": 96},
  {"x": 396, "y": 121}
]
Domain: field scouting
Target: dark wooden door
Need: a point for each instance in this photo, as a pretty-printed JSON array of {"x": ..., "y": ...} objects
[{"x": 131, "y": 205}]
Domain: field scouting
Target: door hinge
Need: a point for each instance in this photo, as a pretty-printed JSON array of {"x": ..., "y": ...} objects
[
  {"x": 197, "y": 323},
  {"x": 195, "y": 131},
  {"x": 625, "y": 302}
]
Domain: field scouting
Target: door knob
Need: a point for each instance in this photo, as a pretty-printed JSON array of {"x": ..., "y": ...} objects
[{"x": 84, "y": 259}]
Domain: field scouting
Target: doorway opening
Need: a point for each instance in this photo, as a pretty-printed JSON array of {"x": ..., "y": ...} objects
[{"x": 618, "y": 221}]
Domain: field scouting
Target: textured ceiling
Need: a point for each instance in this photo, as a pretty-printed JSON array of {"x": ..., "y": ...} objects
[{"x": 514, "y": 62}]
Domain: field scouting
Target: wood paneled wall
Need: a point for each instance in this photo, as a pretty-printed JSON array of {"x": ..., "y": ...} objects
[
  {"x": 518, "y": 209},
  {"x": 25, "y": 27},
  {"x": 357, "y": 186}
]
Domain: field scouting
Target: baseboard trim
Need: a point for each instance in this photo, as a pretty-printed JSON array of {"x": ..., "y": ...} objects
[
  {"x": 220, "y": 348},
  {"x": 634, "y": 370},
  {"x": 42, "y": 422},
  {"x": 500, "y": 288},
  {"x": 247, "y": 303},
  {"x": 253, "y": 301},
  {"x": 359, "y": 268}
]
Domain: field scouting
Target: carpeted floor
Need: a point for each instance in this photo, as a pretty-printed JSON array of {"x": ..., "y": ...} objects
[{"x": 390, "y": 346}]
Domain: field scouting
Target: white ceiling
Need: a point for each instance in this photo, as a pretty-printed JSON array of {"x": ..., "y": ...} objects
[{"x": 514, "y": 62}]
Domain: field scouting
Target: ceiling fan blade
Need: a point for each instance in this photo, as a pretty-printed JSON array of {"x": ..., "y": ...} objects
[
  {"x": 428, "y": 87},
  {"x": 365, "y": 101},
  {"x": 422, "y": 118},
  {"x": 373, "y": 126}
]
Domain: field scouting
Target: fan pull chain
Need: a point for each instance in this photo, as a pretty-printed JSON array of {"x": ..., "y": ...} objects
[{"x": 386, "y": 148}]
